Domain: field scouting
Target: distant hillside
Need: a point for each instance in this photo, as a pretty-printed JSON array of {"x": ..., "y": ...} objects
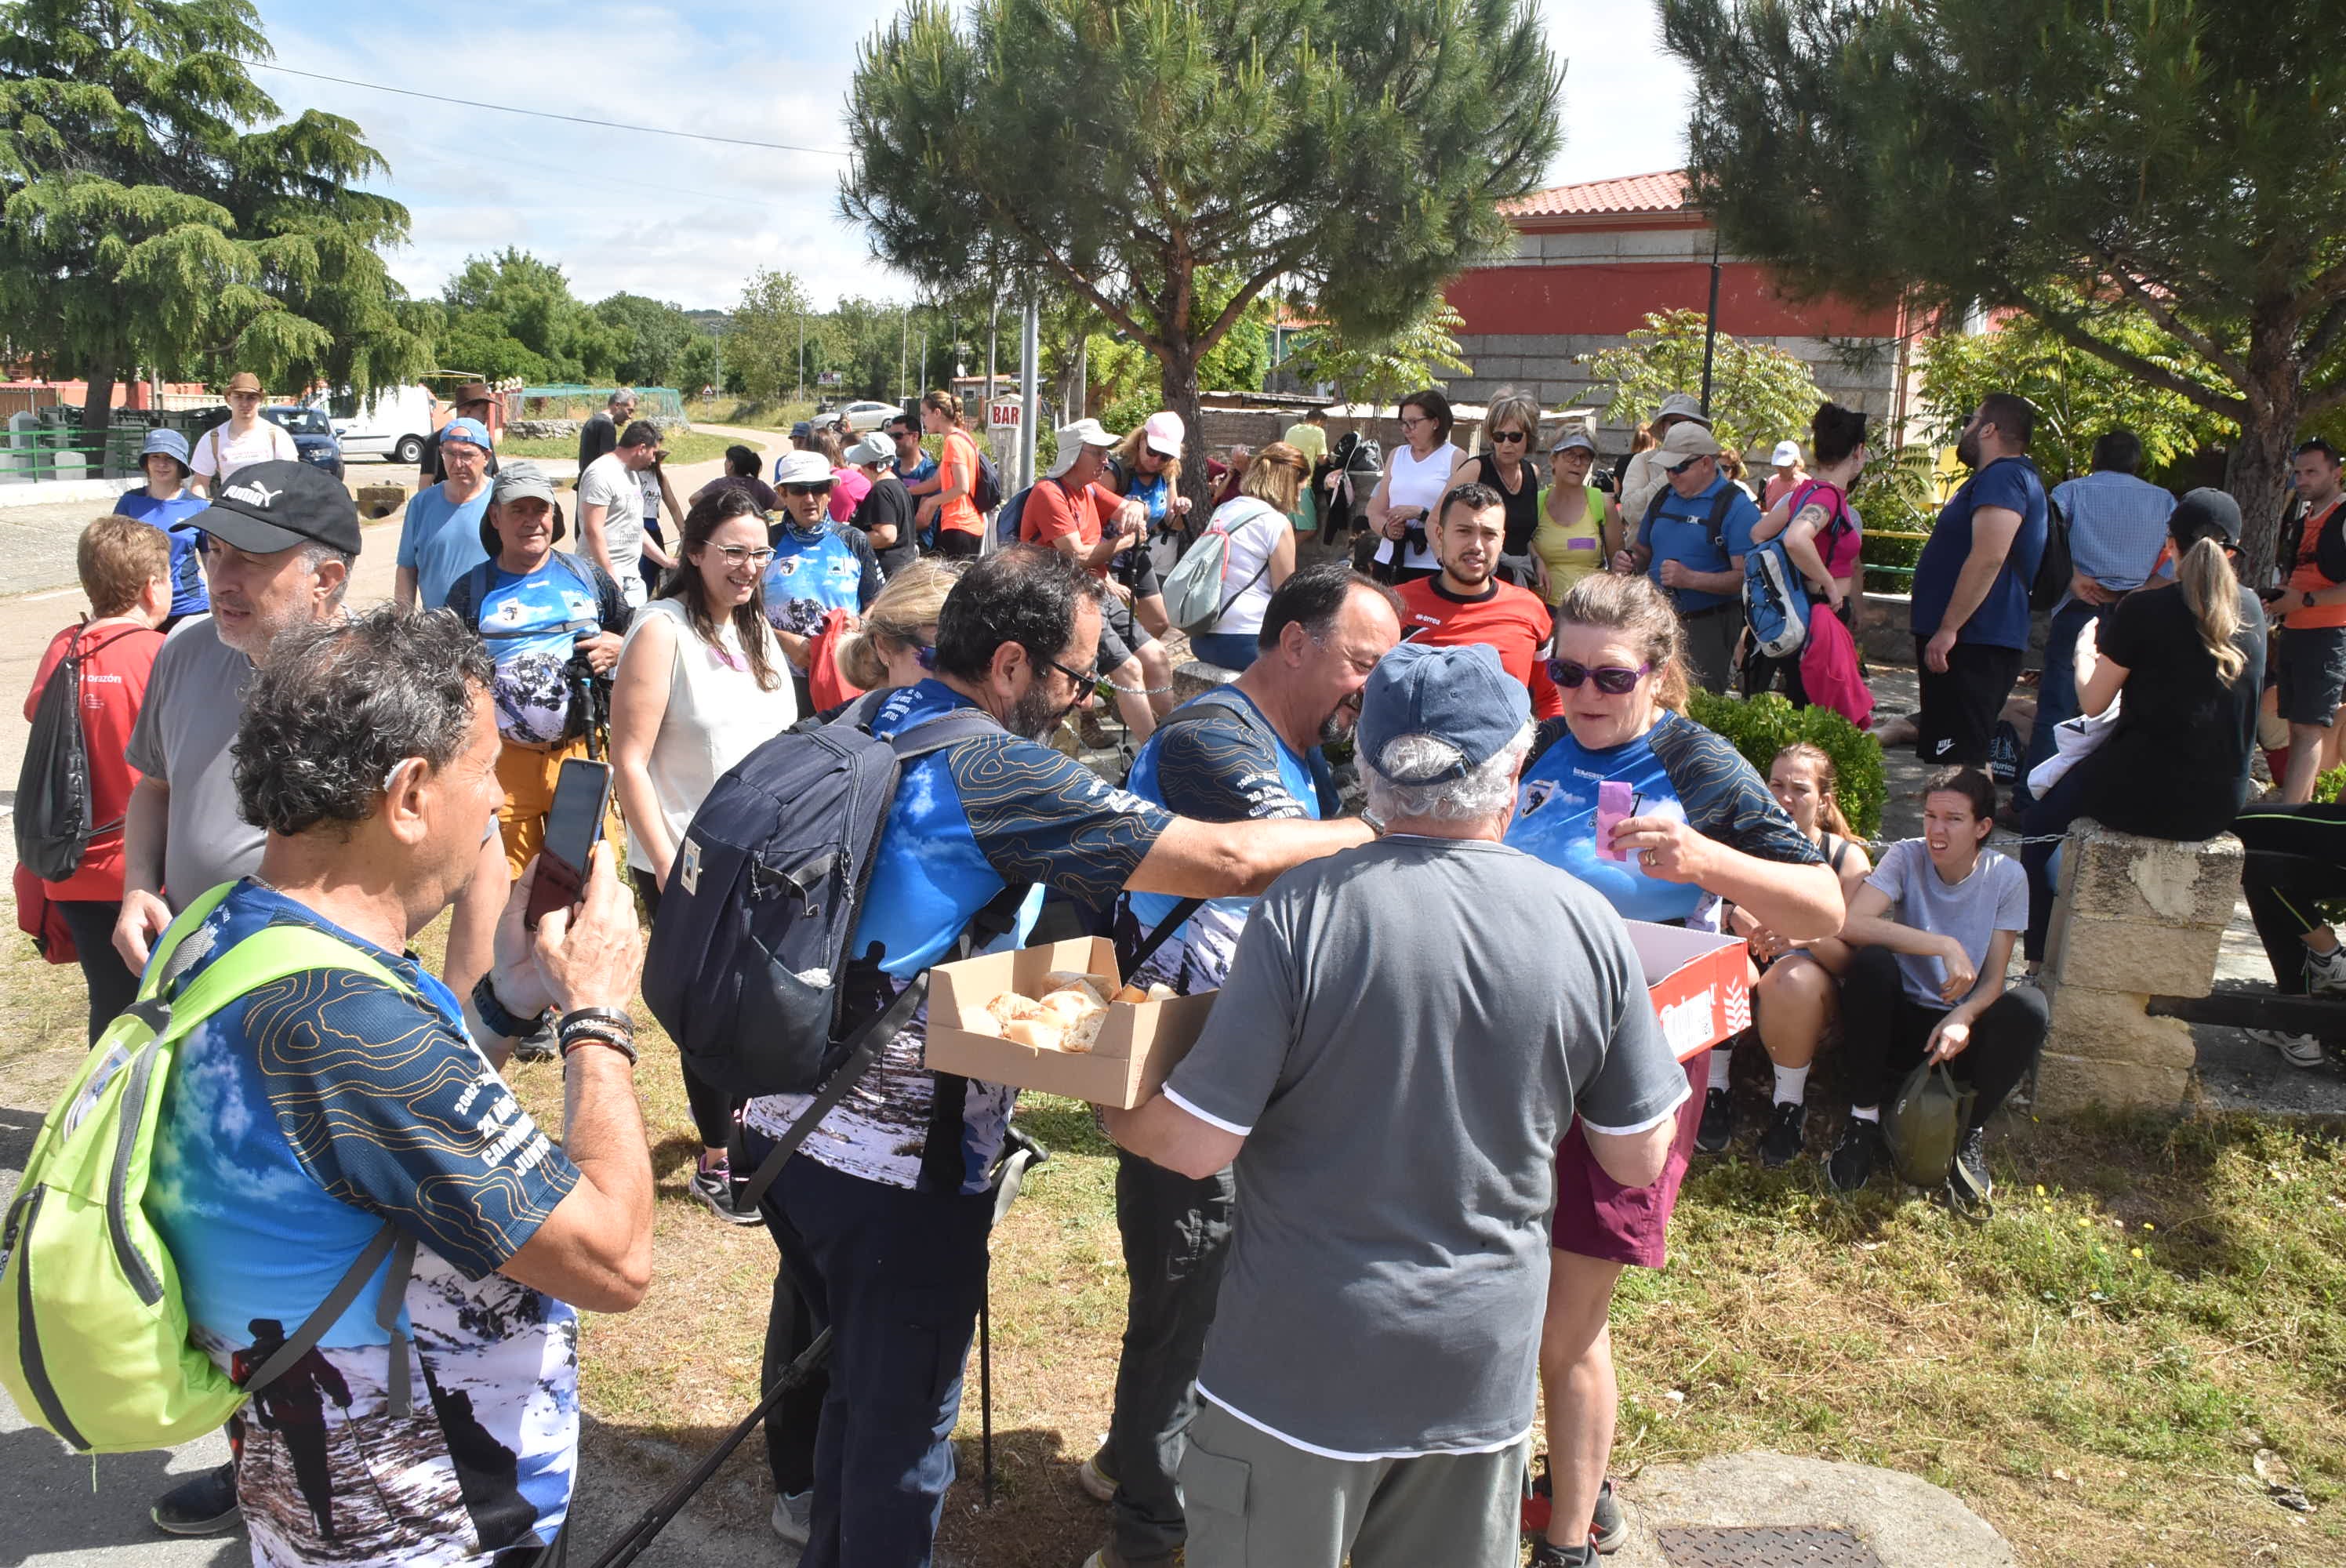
[{"x": 716, "y": 321}]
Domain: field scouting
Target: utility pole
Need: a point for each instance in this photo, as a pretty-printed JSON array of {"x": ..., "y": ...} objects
[
  {"x": 904, "y": 345},
  {"x": 802, "y": 356},
  {"x": 922, "y": 378},
  {"x": 992, "y": 321},
  {"x": 1710, "y": 327},
  {"x": 1029, "y": 395}
]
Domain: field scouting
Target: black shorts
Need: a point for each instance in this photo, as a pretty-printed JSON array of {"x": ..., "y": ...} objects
[
  {"x": 2309, "y": 669},
  {"x": 1121, "y": 635},
  {"x": 956, "y": 545},
  {"x": 1136, "y": 569},
  {"x": 1960, "y": 708}
]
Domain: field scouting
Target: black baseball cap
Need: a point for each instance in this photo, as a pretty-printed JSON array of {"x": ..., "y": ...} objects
[
  {"x": 2203, "y": 514},
  {"x": 265, "y": 507}
]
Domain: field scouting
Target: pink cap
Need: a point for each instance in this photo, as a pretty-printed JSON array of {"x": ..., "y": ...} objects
[{"x": 1164, "y": 433}]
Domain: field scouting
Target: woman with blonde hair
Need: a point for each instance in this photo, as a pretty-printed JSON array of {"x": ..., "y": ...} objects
[
  {"x": 961, "y": 532},
  {"x": 1146, "y": 467},
  {"x": 2187, "y": 656},
  {"x": 1262, "y": 553},
  {"x": 1701, "y": 833},
  {"x": 891, "y": 648},
  {"x": 1511, "y": 425}
]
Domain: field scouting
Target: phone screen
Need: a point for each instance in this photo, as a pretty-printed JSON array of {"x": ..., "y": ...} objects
[{"x": 573, "y": 823}]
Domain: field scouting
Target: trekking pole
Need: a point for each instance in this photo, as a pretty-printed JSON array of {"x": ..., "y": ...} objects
[
  {"x": 985, "y": 1376},
  {"x": 366, "y": 1462},
  {"x": 631, "y": 1545}
]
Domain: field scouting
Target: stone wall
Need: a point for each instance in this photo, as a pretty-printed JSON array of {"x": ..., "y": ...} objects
[{"x": 2135, "y": 918}]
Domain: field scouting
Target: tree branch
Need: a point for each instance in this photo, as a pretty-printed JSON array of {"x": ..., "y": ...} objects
[
  {"x": 1053, "y": 261},
  {"x": 1236, "y": 306},
  {"x": 2321, "y": 403},
  {"x": 2325, "y": 332},
  {"x": 2200, "y": 342},
  {"x": 2235, "y": 409}
]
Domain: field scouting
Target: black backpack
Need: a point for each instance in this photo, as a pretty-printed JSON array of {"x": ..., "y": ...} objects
[
  {"x": 53, "y": 802},
  {"x": 986, "y": 490},
  {"x": 2056, "y": 566}
]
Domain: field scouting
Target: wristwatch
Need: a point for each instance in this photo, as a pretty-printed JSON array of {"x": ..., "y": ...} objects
[
  {"x": 493, "y": 1014},
  {"x": 2309, "y": 599}
]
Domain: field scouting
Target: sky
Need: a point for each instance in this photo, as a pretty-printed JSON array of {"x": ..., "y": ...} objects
[{"x": 687, "y": 221}]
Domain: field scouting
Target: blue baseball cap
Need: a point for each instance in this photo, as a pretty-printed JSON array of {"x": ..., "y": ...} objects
[
  {"x": 468, "y": 430},
  {"x": 1463, "y": 697},
  {"x": 170, "y": 444}
]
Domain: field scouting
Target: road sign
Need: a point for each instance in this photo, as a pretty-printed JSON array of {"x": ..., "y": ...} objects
[
  {"x": 1002, "y": 414},
  {"x": 830, "y": 378}
]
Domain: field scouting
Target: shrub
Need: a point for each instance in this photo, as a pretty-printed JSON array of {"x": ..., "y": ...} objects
[{"x": 1766, "y": 724}]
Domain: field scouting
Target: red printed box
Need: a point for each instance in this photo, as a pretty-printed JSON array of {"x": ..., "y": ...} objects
[{"x": 1700, "y": 984}]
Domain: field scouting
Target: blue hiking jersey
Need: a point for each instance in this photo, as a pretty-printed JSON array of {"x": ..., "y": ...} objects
[
  {"x": 814, "y": 574},
  {"x": 189, "y": 594}
]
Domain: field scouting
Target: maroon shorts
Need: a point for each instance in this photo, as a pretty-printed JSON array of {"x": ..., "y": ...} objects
[{"x": 1598, "y": 1218}]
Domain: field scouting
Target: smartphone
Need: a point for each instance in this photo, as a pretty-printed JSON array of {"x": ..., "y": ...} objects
[
  {"x": 581, "y": 794},
  {"x": 1615, "y": 803}
]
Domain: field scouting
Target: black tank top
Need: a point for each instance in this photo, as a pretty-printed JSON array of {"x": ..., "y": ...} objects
[{"x": 1522, "y": 505}]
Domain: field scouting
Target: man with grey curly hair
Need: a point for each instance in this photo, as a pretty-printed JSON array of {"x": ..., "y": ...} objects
[
  {"x": 355, "y": 1106},
  {"x": 1367, "y": 1387}
]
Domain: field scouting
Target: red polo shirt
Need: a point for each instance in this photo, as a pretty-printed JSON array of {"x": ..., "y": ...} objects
[{"x": 1510, "y": 619}]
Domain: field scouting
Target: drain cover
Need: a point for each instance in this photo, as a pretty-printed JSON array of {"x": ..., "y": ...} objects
[{"x": 1764, "y": 1546}]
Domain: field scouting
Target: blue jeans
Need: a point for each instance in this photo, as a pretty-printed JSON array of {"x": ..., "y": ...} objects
[
  {"x": 2056, "y": 693},
  {"x": 897, "y": 1275},
  {"x": 1231, "y": 650}
]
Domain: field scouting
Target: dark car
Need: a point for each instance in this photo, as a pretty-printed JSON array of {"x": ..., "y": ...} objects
[{"x": 313, "y": 435}]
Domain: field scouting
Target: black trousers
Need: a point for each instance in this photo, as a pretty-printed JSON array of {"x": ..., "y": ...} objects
[
  {"x": 113, "y": 985},
  {"x": 1884, "y": 1032},
  {"x": 2296, "y": 858},
  {"x": 1957, "y": 723},
  {"x": 713, "y": 1110}
]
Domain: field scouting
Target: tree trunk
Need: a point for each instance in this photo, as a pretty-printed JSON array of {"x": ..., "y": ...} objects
[
  {"x": 2259, "y": 479},
  {"x": 1179, "y": 361},
  {"x": 98, "y": 408}
]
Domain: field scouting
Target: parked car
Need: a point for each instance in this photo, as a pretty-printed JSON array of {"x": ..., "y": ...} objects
[
  {"x": 868, "y": 416},
  {"x": 393, "y": 424},
  {"x": 313, "y": 433}
]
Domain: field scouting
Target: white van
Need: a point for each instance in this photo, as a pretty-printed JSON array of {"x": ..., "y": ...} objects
[{"x": 393, "y": 424}]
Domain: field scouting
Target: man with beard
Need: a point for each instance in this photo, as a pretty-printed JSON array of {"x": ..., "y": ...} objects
[
  {"x": 1970, "y": 585},
  {"x": 884, "y": 1216},
  {"x": 1236, "y": 753},
  {"x": 1464, "y": 602}
]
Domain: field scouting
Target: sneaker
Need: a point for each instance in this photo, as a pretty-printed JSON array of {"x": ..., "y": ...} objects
[
  {"x": 1717, "y": 1128},
  {"x": 202, "y": 1505},
  {"x": 793, "y": 1518},
  {"x": 1605, "y": 1525},
  {"x": 1547, "y": 1554},
  {"x": 713, "y": 1186},
  {"x": 2325, "y": 973},
  {"x": 540, "y": 1044},
  {"x": 1967, "y": 1179},
  {"x": 1850, "y": 1164},
  {"x": 1787, "y": 1132},
  {"x": 1093, "y": 1476},
  {"x": 2296, "y": 1050}
]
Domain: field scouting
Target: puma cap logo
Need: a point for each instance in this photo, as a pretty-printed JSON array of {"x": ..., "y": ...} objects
[{"x": 253, "y": 494}]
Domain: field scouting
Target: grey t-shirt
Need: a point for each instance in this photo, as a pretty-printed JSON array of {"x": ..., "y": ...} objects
[
  {"x": 1403, "y": 1036},
  {"x": 194, "y": 700},
  {"x": 1994, "y": 897},
  {"x": 609, "y": 482}
]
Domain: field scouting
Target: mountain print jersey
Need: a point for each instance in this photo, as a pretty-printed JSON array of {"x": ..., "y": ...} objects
[
  {"x": 992, "y": 812},
  {"x": 1223, "y": 764},
  {"x": 1676, "y": 770},
  {"x": 296, "y": 1122},
  {"x": 531, "y": 623},
  {"x": 812, "y": 574}
]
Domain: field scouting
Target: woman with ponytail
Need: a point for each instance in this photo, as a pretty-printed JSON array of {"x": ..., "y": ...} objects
[{"x": 2189, "y": 656}]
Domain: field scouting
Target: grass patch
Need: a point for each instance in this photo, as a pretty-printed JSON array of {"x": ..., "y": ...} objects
[
  {"x": 747, "y": 415},
  {"x": 693, "y": 446}
]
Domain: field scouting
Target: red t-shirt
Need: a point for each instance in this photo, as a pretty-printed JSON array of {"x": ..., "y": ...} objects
[
  {"x": 1051, "y": 513},
  {"x": 1510, "y": 619},
  {"x": 116, "y": 659}
]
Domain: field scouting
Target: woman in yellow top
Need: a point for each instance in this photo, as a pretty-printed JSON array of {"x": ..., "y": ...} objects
[{"x": 1579, "y": 524}]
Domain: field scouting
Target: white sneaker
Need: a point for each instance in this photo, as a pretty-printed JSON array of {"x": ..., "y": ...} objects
[
  {"x": 794, "y": 1516},
  {"x": 2325, "y": 973},
  {"x": 2296, "y": 1050}
]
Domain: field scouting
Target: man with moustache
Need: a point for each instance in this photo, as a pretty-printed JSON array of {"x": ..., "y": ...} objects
[
  {"x": 883, "y": 1216},
  {"x": 1237, "y": 753},
  {"x": 1465, "y": 602}
]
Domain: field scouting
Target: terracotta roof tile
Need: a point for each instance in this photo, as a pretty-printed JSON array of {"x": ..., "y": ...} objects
[{"x": 1663, "y": 192}]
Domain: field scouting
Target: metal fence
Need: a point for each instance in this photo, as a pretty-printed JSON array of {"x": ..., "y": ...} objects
[
  {"x": 662, "y": 404},
  {"x": 48, "y": 442}
]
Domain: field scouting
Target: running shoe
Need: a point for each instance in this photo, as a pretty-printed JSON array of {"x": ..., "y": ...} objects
[
  {"x": 714, "y": 1186},
  {"x": 1968, "y": 1181},
  {"x": 793, "y": 1518},
  {"x": 1093, "y": 1476},
  {"x": 200, "y": 1505},
  {"x": 2298, "y": 1050},
  {"x": 1850, "y": 1164},
  {"x": 1717, "y": 1128},
  {"x": 1786, "y": 1133}
]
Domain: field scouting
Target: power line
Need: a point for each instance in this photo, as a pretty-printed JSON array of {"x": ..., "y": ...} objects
[{"x": 543, "y": 114}]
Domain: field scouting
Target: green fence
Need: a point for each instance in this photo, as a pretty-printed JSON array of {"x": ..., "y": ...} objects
[
  {"x": 663, "y": 405},
  {"x": 49, "y": 443}
]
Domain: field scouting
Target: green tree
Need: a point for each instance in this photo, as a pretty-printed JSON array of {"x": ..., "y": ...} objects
[
  {"x": 655, "y": 335},
  {"x": 2085, "y": 163},
  {"x": 1357, "y": 148},
  {"x": 2079, "y": 395},
  {"x": 511, "y": 314},
  {"x": 1381, "y": 371},
  {"x": 144, "y": 223},
  {"x": 1759, "y": 394},
  {"x": 762, "y": 352}
]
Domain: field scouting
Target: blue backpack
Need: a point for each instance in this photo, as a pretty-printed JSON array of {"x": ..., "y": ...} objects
[{"x": 1006, "y": 522}]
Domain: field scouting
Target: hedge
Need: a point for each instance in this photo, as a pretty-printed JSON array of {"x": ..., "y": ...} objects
[{"x": 1766, "y": 724}]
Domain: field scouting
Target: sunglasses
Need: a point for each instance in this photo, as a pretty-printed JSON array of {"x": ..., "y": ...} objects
[
  {"x": 1510, "y": 436},
  {"x": 1612, "y": 679},
  {"x": 1682, "y": 467},
  {"x": 823, "y": 489},
  {"x": 1081, "y": 683}
]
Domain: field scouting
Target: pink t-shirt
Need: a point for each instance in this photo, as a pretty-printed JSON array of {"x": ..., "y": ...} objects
[
  {"x": 848, "y": 486},
  {"x": 1841, "y": 540}
]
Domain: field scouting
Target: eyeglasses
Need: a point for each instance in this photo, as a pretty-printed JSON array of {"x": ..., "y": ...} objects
[
  {"x": 1409, "y": 423},
  {"x": 1510, "y": 436},
  {"x": 823, "y": 489},
  {"x": 744, "y": 554},
  {"x": 1612, "y": 679}
]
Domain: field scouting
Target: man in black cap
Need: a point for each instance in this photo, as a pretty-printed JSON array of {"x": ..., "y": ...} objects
[{"x": 282, "y": 541}]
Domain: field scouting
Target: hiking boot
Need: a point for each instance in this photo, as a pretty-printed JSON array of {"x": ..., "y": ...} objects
[
  {"x": 1717, "y": 1128},
  {"x": 200, "y": 1505},
  {"x": 793, "y": 1518},
  {"x": 1547, "y": 1554},
  {"x": 540, "y": 1044},
  {"x": 713, "y": 1185},
  {"x": 2325, "y": 973},
  {"x": 1787, "y": 1132},
  {"x": 2296, "y": 1050},
  {"x": 1605, "y": 1525},
  {"x": 1095, "y": 1477},
  {"x": 1967, "y": 1180},
  {"x": 1850, "y": 1164}
]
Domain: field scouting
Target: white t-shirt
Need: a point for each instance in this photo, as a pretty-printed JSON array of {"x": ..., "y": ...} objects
[
  {"x": 1994, "y": 897},
  {"x": 1412, "y": 481},
  {"x": 716, "y": 716},
  {"x": 610, "y": 484},
  {"x": 1254, "y": 531},
  {"x": 220, "y": 453}
]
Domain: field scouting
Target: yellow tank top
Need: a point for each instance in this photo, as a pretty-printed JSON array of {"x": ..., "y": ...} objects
[{"x": 1571, "y": 552}]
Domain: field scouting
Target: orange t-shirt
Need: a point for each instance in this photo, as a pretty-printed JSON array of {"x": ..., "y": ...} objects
[
  {"x": 2306, "y": 577},
  {"x": 1051, "y": 512},
  {"x": 958, "y": 468}
]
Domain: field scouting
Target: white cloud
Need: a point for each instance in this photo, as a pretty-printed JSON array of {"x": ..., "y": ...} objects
[{"x": 1626, "y": 98}]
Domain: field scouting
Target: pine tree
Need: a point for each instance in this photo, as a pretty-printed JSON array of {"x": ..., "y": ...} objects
[
  {"x": 144, "y": 223},
  {"x": 1133, "y": 150},
  {"x": 2086, "y": 161}
]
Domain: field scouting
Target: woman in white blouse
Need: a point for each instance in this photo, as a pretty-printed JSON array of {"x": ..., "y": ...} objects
[
  {"x": 1417, "y": 476},
  {"x": 700, "y": 683}
]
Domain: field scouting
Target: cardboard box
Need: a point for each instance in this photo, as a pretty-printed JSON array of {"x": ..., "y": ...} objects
[
  {"x": 1700, "y": 984},
  {"x": 1137, "y": 1046}
]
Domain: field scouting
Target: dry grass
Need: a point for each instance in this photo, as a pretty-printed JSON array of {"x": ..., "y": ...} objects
[{"x": 2095, "y": 1369}]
